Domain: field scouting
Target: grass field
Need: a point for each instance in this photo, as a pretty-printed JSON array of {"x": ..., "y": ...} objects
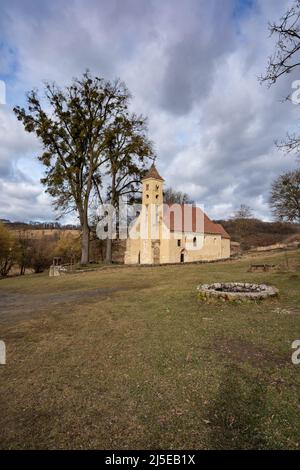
[{"x": 129, "y": 358}]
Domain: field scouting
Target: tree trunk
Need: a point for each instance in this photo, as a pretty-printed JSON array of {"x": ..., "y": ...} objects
[
  {"x": 108, "y": 256},
  {"x": 85, "y": 244}
]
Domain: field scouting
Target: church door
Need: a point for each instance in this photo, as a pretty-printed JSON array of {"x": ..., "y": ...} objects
[{"x": 183, "y": 256}]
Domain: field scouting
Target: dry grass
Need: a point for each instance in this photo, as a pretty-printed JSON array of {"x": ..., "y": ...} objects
[{"x": 129, "y": 358}]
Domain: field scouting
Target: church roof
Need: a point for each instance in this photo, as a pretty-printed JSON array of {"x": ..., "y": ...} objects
[
  {"x": 196, "y": 220},
  {"x": 222, "y": 231},
  {"x": 193, "y": 220},
  {"x": 153, "y": 173}
]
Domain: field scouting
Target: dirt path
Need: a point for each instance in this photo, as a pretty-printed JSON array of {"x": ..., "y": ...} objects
[{"x": 15, "y": 306}]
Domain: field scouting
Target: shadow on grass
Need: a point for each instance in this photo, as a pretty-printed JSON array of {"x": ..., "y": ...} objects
[{"x": 238, "y": 414}]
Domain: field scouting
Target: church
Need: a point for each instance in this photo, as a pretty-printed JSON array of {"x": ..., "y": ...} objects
[{"x": 172, "y": 233}]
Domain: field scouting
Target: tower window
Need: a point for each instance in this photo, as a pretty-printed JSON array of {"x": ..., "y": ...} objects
[
  {"x": 194, "y": 241},
  {"x": 157, "y": 187},
  {"x": 147, "y": 196},
  {"x": 147, "y": 186},
  {"x": 156, "y": 196},
  {"x": 178, "y": 242}
]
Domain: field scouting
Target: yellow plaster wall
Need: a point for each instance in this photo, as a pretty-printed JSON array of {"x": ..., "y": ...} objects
[
  {"x": 225, "y": 248},
  {"x": 208, "y": 247}
]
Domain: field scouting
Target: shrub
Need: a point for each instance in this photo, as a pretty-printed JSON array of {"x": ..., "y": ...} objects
[{"x": 8, "y": 250}]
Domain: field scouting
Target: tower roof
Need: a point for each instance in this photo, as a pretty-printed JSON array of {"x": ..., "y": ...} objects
[{"x": 153, "y": 173}]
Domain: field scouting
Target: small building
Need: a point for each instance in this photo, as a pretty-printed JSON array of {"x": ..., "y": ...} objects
[{"x": 164, "y": 233}]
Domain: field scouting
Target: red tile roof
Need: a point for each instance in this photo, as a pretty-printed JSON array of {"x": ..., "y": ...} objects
[
  {"x": 222, "y": 231},
  {"x": 193, "y": 219}
]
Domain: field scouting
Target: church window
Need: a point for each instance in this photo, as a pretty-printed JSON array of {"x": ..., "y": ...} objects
[
  {"x": 179, "y": 242},
  {"x": 195, "y": 241}
]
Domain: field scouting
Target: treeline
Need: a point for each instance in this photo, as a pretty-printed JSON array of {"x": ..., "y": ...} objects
[
  {"x": 251, "y": 232},
  {"x": 36, "y": 225},
  {"x": 18, "y": 251}
]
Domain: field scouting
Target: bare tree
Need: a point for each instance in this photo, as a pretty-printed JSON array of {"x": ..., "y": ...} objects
[
  {"x": 23, "y": 254},
  {"x": 176, "y": 197},
  {"x": 284, "y": 60},
  {"x": 7, "y": 250},
  {"x": 244, "y": 212},
  {"x": 286, "y": 55},
  {"x": 285, "y": 196}
]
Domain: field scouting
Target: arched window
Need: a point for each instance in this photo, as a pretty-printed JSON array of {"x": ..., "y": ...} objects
[{"x": 195, "y": 241}]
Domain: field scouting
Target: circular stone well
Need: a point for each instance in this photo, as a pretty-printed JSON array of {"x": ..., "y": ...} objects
[{"x": 236, "y": 291}]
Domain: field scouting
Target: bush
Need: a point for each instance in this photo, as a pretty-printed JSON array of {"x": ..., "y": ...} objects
[
  {"x": 8, "y": 250},
  {"x": 41, "y": 252},
  {"x": 23, "y": 256},
  {"x": 68, "y": 248}
]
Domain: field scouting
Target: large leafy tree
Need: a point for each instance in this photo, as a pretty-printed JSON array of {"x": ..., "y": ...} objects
[
  {"x": 285, "y": 196},
  {"x": 128, "y": 151},
  {"x": 71, "y": 124}
]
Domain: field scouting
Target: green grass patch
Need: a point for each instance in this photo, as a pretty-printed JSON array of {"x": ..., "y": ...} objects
[{"x": 130, "y": 358}]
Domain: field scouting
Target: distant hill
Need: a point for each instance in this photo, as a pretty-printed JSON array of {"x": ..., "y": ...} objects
[
  {"x": 18, "y": 225},
  {"x": 251, "y": 233}
]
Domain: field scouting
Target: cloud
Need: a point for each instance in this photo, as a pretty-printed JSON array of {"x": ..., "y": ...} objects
[
  {"x": 19, "y": 201},
  {"x": 15, "y": 143},
  {"x": 192, "y": 68}
]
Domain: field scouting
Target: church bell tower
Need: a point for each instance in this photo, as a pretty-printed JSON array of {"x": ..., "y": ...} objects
[
  {"x": 152, "y": 214},
  {"x": 152, "y": 187}
]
